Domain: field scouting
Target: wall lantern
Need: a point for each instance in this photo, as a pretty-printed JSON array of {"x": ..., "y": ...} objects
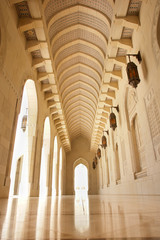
[
  {"x": 99, "y": 153},
  {"x": 24, "y": 123},
  {"x": 112, "y": 118},
  {"x": 94, "y": 163},
  {"x": 95, "y": 160},
  {"x": 132, "y": 72},
  {"x": 104, "y": 140}
]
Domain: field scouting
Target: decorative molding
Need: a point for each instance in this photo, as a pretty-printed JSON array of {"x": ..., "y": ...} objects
[
  {"x": 153, "y": 114},
  {"x": 155, "y": 45}
]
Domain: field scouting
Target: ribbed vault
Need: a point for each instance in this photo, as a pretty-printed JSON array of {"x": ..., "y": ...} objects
[{"x": 78, "y": 31}]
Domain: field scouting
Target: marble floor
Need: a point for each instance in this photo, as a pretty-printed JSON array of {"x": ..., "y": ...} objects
[{"x": 80, "y": 218}]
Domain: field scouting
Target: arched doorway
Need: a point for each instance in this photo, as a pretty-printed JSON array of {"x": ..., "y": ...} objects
[
  {"x": 45, "y": 159},
  {"x": 25, "y": 132},
  {"x": 81, "y": 204},
  {"x": 81, "y": 177}
]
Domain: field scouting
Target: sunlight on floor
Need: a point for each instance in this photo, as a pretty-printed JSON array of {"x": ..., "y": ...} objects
[{"x": 75, "y": 217}]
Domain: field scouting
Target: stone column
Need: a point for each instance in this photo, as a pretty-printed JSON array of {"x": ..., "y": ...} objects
[{"x": 34, "y": 191}]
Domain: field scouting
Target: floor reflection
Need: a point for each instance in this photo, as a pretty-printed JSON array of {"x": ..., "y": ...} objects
[
  {"x": 14, "y": 224},
  {"x": 81, "y": 211},
  {"x": 41, "y": 218},
  {"x": 80, "y": 217}
]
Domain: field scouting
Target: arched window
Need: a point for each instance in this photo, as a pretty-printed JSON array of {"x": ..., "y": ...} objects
[
  {"x": 45, "y": 158},
  {"x": 25, "y": 132}
]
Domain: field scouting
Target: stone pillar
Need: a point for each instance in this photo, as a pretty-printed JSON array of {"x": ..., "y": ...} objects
[
  {"x": 112, "y": 158},
  {"x": 57, "y": 174},
  {"x": 34, "y": 192},
  {"x": 7, "y": 158},
  {"x": 107, "y": 168},
  {"x": 50, "y": 173},
  {"x": 104, "y": 168}
]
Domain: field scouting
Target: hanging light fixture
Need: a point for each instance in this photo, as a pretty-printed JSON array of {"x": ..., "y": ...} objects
[
  {"x": 112, "y": 118},
  {"x": 95, "y": 160},
  {"x": 24, "y": 121},
  {"x": 99, "y": 153},
  {"x": 132, "y": 72},
  {"x": 93, "y": 165},
  {"x": 104, "y": 142}
]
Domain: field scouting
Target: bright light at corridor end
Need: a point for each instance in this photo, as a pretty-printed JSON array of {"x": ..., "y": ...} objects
[{"x": 81, "y": 180}]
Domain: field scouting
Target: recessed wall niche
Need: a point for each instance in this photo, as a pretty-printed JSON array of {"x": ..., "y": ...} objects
[
  {"x": 153, "y": 114},
  {"x": 156, "y": 32}
]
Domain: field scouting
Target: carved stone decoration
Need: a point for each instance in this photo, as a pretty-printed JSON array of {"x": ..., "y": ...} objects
[
  {"x": 131, "y": 102},
  {"x": 156, "y": 32},
  {"x": 153, "y": 114}
]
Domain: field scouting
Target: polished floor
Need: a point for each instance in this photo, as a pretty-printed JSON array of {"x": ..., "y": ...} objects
[{"x": 80, "y": 218}]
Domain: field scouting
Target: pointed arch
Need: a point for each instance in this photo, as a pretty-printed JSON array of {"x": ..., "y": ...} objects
[{"x": 24, "y": 141}]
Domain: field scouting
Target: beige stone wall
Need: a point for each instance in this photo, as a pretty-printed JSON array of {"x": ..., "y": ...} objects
[
  {"x": 80, "y": 150},
  {"x": 139, "y": 155},
  {"x": 15, "y": 69},
  {"x": 131, "y": 162}
]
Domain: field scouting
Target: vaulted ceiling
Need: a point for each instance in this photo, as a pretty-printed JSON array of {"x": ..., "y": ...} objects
[
  {"x": 78, "y": 32},
  {"x": 70, "y": 42}
]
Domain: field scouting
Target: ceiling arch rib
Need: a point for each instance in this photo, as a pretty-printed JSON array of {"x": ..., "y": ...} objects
[
  {"x": 77, "y": 14},
  {"x": 82, "y": 111},
  {"x": 80, "y": 132},
  {"x": 78, "y": 32},
  {"x": 67, "y": 61},
  {"x": 82, "y": 61},
  {"x": 79, "y": 77},
  {"x": 85, "y": 45},
  {"x": 79, "y": 47},
  {"x": 81, "y": 34},
  {"x": 58, "y": 28},
  {"x": 83, "y": 123},
  {"x": 79, "y": 84},
  {"x": 79, "y": 96},
  {"x": 79, "y": 67},
  {"x": 80, "y": 126},
  {"x": 55, "y": 6},
  {"x": 80, "y": 92},
  {"x": 79, "y": 111},
  {"x": 79, "y": 104},
  {"x": 76, "y": 27},
  {"x": 76, "y": 119}
]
